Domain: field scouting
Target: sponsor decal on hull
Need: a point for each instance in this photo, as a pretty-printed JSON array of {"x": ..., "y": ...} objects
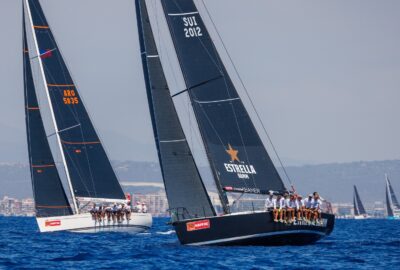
[
  {"x": 323, "y": 223},
  {"x": 198, "y": 225},
  {"x": 52, "y": 223}
]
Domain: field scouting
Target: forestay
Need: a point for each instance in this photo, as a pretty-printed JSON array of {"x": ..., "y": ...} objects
[
  {"x": 89, "y": 168},
  {"x": 236, "y": 153},
  {"x": 182, "y": 180}
]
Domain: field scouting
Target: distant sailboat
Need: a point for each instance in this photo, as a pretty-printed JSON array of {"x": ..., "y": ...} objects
[
  {"x": 359, "y": 210},
  {"x": 236, "y": 155},
  {"x": 90, "y": 175},
  {"x": 392, "y": 204}
]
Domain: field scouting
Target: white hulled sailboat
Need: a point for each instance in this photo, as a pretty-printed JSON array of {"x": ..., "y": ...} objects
[{"x": 90, "y": 176}]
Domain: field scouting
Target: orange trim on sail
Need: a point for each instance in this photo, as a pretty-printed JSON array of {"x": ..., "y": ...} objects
[
  {"x": 40, "y": 27},
  {"x": 43, "y": 166},
  {"x": 79, "y": 142},
  {"x": 60, "y": 85},
  {"x": 55, "y": 206}
]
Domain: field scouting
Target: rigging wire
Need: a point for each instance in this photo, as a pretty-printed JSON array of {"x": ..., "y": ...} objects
[{"x": 248, "y": 96}]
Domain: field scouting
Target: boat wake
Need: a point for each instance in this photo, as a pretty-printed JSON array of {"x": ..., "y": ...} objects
[{"x": 167, "y": 232}]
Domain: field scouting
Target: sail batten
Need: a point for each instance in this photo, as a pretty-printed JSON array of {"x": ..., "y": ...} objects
[
  {"x": 182, "y": 180},
  {"x": 88, "y": 168},
  {"x": 237, "y": 156}
]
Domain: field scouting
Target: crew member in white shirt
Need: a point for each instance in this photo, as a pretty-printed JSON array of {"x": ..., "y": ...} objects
[
  {"x": 269, "y": 202},
  {"x": 317, "y": 207}
]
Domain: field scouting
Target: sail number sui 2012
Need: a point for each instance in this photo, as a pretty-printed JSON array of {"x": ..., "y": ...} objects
[{"x": 191, "y": 28}]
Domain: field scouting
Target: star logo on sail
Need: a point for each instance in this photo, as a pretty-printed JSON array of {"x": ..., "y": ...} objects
[
  {"x": 233, "y": 153},
  {"x": 235, "y": 165}
]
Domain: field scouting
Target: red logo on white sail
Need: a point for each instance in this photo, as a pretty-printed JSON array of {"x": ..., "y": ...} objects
[
  {"x": 52, "y": 223},
  {"x": 198, "y": 225}
]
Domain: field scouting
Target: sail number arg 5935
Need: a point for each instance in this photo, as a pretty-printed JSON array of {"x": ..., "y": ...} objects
[
  {"x": 191, "y": 27},
  {"x": 70, "y": 97}
]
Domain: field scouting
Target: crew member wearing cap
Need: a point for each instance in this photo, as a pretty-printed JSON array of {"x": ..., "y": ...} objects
[{"x": 308, "y": 202}]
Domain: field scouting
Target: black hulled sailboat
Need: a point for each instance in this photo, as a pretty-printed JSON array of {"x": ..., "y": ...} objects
[
  {"x": 392, "y": 204},
  {"x": 89, "y": 173},
  {"x": 359, "y": 210},
  {"x": 236, "y": 154}
]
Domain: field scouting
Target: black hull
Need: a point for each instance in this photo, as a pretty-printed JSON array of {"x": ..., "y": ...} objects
[{"x": 256, "y": 229}]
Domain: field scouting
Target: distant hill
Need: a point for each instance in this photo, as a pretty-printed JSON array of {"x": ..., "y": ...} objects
[{"x": 333, "y": 181}]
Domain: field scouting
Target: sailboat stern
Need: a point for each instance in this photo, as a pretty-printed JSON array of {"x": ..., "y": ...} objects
[{"x": 257, "y": 229}]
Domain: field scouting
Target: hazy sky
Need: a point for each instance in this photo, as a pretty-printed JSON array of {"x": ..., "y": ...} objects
[{"x": 324, "y": 75}]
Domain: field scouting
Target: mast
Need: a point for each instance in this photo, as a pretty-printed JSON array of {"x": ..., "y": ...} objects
[
  {"x": 76, "y": 209},
  {"x": 183, "y": 184}
]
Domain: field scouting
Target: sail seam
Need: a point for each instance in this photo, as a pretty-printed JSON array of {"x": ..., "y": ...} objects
[
  {"x": 66, "y": 142},
  {"x": 43, "y": 166}
]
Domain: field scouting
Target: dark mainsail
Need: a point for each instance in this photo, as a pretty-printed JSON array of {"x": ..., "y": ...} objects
[
  {"x": 238, "y": 158},
  {"x": 48, "y": 192},
  {"x": 358, "y": 206},
  {"x": 389, "y": 207},
  {"x": 393, "y": 197},
  {"x": 89, "y": 168},
  {"x": 182, "y": 180}
]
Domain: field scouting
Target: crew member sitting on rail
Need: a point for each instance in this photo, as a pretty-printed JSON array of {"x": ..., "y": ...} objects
[
  {"x": 128, "y": 211},
  {"x": 308, "y": 202},
  {"x": 275, "y": 205},
  {"x": 317, "y": 207},
  {"x": 269, "y": 202},
  {"x": 300, "y": 208},
  {"x": 289, "y": 203},
  {"x": 93, "y": 211},
  {"x": 108, "y": 211},
  {"x": 114, "y": 212},
  {"x": 281, "y": 209}
]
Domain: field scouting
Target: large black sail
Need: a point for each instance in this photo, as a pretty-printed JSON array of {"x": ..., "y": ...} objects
[
  {"x": 48, "y": 192},
  {"x": 358, "y": 206},
  {"x": 89, "y": 168},
  {"x": 393, "y": 197},
  {"x": 389, "y": 207},
  {"x": 234, "y": 148},
  {"x": 182, "y": 180}
]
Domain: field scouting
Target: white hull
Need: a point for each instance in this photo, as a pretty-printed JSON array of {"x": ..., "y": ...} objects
[
  {"x": 361, "y": 217},
  {"x": 84, "y": 223}
]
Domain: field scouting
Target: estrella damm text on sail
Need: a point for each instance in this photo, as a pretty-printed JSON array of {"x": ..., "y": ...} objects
[{"x": 242, "y": 170}]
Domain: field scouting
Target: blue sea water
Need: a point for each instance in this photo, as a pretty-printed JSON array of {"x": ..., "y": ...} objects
[{"x": 363, "y": 244}]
